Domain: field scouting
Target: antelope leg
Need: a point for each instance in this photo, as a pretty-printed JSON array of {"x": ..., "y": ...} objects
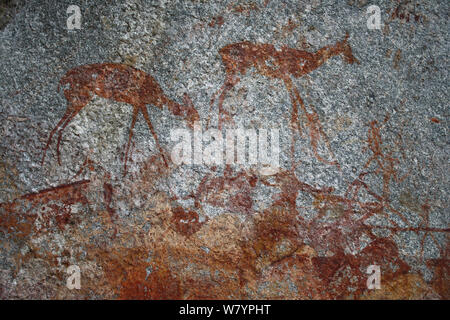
[
  {"x": 150, "y": 126},
  {"x": 73, "y": 114},
  {"x": 130, "y": 135},
  {"x": 65, "y": 116}
]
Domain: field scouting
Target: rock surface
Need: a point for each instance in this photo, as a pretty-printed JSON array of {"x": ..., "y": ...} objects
[{"x": 362, "y": 122}]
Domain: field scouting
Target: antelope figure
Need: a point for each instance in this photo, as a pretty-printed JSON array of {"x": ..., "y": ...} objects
[
  {"x": 120, "y": 83},
  {"x": 238, "y": 58}
]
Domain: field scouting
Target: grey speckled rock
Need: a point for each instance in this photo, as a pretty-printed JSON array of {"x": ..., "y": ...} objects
[{"x": 362, "y": 180}]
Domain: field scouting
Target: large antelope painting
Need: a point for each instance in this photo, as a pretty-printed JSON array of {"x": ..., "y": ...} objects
[{"x": 120, "y": 83}]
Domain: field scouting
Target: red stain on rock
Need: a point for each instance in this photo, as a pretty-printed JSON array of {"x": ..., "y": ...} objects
[
  {"x": 230, "y": 191},
  {"x": 186, "y": 222},
  {"x": 406, "y": 12},
  {"x": 216, "y": 21},
  {"x": 325, "y": 255},
  {"x": 289, "y": 27},
  {"x": 50, "y": 207},
  {"x": 245, "y": 8},
  {"x": 435, "y": 120},
  {"x": 107, "y": 195},
  {"x": 159, "y": 285},
  {"x": 345, "y": 274},
  {"x": 441, "y": 268}
]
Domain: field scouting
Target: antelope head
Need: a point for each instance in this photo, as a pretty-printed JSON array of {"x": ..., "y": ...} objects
[
  {"x": 190, "y": 113},
  {"x": 186, "y": 110},
  {"x": 346, "y": 51}
]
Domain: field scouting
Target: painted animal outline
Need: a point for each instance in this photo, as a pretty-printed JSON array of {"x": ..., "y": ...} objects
[
  {"x": 120, "y": 83},
  {"x": 282, "y": 64}
]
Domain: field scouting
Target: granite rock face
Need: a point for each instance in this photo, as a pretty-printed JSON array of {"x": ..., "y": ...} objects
[{"x": 361, "y": 116}]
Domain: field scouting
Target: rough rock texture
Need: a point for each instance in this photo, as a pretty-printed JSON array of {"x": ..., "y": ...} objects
[{"x": 363, "y": 150}]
